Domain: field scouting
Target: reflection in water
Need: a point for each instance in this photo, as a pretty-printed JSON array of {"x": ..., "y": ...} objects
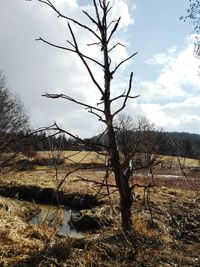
[{"x": 56, "y": 217}]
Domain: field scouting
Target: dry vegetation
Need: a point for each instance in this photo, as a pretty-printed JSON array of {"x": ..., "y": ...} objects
[{"x": 166, "y": 222}]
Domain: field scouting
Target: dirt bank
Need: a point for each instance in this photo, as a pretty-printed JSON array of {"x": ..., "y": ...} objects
[{"x": 73, "y": 200}]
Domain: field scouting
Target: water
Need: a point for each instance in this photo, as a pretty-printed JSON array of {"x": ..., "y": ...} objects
[{"x": 57, "y": 218}]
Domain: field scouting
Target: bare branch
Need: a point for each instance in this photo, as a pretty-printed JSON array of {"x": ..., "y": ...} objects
[
  {"x": 114, "y": 29},
  {"x": 122, "y": 62},
  {"x": 73, "y": 36},
  {"x": 126, "y": 96},
  {"x": 143, "y": 186},
  {"x": 97, "y": 14},
  {"x": 84, "y": 62},
  {"x": 93, "y": 20},
  {"x": 68, "y": 18},
  {"x": 113, "y": 21},
  {"x": 100, "y": 3},
  {"x": 122, "y": 96},
  {"x": 100, "y": 117},
  {"x": 69, "y": 49},
  {"x": 65, "y": 177},
  {"x": 78, "y": 138},
  {"x": 99, "y": 44},
  {"x": 113, "y": 47},
  {"x": 71, "y": 44},
  {"x": 58, "y": 130},
  {"x": 54, "y": 45},
  {"x": 95, "y": 182},
  {"x": 72, "y": 100}
]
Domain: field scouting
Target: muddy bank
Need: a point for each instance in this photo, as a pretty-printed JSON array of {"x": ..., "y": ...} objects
[
  {"x": 92, "y": 220},
  {"x": 73, "y": 200}
]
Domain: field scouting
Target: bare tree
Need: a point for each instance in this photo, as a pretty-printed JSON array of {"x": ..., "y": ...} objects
[
  {"x": 105, "y": 30},
  {"x": 138, "y": 141},
  {"x": 13, "y": 122}
]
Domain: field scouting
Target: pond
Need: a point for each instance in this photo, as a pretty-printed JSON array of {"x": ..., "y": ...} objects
[{"x": 57, "y": 218}]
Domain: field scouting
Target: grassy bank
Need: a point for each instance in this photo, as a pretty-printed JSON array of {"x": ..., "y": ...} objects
[{"x": 166, "y": 224}]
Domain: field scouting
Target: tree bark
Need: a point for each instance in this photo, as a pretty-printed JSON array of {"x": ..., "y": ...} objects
[{"x": 121, "y": 181}]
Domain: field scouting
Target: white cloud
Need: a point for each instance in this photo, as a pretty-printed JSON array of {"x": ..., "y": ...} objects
[
  {"x": 178, "y": 71},
  {"x": 162, "y": 58},
  {"x": 69, "y": 3},
  {"x": 190, "y": 102},
  {"x": 171, "y": 116},
  {"x": 121, "y": 9},
  {"x": 172, "y": 99},
  {"x": 156, "y": 114}
]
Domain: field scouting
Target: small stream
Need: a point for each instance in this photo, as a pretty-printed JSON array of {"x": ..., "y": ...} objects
[{"x": 56, "y": 217}]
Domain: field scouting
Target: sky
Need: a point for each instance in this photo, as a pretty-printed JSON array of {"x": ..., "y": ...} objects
[{"x": 165, "y": 69}]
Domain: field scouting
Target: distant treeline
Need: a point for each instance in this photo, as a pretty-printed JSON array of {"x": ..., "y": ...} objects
[
  {"x": 180, "y": 144},
  {"x": 168, "y": 143}
]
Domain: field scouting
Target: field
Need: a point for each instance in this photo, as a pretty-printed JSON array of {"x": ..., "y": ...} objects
[{"x": 166, "y": 219}]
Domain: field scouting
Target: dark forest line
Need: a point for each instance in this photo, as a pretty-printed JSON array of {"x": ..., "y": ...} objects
[{"x": 168, "y": 143}]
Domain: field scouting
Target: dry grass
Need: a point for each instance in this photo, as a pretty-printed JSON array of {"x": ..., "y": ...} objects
[
  {"x": 14, "y": 242},
  {"x": 187, "y": 161},
  {"x": 93, "y": 157},
  {"x": 75, "y": 156},
  {"x": 20, "y": 240},
  {"x": 150, "y": 244}
]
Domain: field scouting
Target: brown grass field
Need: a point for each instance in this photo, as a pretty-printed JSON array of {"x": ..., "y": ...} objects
[{"x": 166, "y": 222}]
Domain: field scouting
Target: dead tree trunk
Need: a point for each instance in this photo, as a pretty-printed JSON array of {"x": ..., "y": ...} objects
[{"x": 120, "y": 179}]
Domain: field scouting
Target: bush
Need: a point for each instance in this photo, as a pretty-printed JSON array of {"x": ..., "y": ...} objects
[
  {"x": 24, "y": 165},
  {"x": 48, "y": 161}
]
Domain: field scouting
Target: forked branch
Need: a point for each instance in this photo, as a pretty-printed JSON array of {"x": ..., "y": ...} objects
[
  {"x": 69, "y": 49},
  {"x": 122, "y": 62},
  {"x": 126, "y": 96},
  {"x": 60, "y": 15},
  {"x": 114, "y": 29},
  {"x": 84, "y": 61}
]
